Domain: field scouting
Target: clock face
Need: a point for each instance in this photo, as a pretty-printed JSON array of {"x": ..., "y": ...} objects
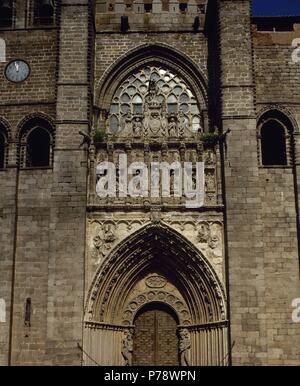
[{"x": 17, "y": 71}]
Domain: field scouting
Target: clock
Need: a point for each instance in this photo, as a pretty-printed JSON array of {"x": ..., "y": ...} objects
[{"x": 17, "y": 71}]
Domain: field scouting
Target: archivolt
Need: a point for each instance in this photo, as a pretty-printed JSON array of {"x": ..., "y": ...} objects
[
  {"x": 286, "y": 113},
  {"x": 6, "y": 128},
  {"x": 156, "y": 247},
  {"x": 152, "y": 54},
  {"x": 38, "y": 117}
]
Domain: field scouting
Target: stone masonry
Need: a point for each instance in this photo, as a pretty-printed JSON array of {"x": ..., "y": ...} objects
[{"x": 77, "y": 271}]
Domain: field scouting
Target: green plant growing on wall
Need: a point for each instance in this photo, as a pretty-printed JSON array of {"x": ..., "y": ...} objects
[
  {"x": 100, "y": 136},
  {"x": 210, "y": 139}
]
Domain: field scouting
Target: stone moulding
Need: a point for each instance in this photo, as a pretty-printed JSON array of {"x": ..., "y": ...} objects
[
  {"x": 143, "y": 55},
  {"x": 151, "y": 247},
  {"x": 158, "y": 296}
]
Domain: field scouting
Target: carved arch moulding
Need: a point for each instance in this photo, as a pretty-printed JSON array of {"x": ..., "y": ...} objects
[
  {"x": 194, "y": 290},
  {"x": 287, "y": 111},
  {"x": 142, "y": 56}
]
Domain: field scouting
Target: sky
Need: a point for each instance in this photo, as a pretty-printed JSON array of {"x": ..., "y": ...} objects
[{"x": 276, "y": 7}]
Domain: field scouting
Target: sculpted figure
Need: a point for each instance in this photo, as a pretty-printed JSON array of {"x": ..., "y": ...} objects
[
  {"x": 184, "y": 347},
  {"x": 172, "y": 127},
  {"x": 97, "y": 253},
  {"x": 128, "y": 123},
  {"x": 146, "y": 122},
  {"x": 109, "y": 236},
  {"x": 127, "y": 348},
  {"x": 150, "y": 99},
  {"x": 182, "y": 124},
  {"x": 203, "y": 233},
  {"x": 137, "y": 126},
  {"x": 210, "y": 182},
  {"x": 164, "y": 124},
  {"x": 209, "y": 157}
]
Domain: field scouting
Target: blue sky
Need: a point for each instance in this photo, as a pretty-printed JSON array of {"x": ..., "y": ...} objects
[{"x": 276, "y": 7}]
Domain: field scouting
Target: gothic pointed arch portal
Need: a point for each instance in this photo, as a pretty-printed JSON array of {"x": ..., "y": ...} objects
[{"x": 156, "y": 265}]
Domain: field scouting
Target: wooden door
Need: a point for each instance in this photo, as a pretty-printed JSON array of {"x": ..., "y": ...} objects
[{"x": 155, "y": 340}]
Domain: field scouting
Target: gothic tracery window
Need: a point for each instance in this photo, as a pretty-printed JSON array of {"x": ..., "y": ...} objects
[{"x": 154, "y": 99}]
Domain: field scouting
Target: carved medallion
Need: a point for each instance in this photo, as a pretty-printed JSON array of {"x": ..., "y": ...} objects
[{"x": 156, "y": 281}]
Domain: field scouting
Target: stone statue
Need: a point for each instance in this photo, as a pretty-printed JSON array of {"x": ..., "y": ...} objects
[
  {"x": 137, "y": 126},
  {"x": 128, "y": 123},
  {"x": 109, "y": 236},
  {"x": 146, "y": 122},
  {"x": 97, "y": 253},
  {"x": 184, "y": 347},
  {"x": 127, "y": 348},
  {"x": 182, "y": 124},
  {"x": 209, "y": 157},
  {"x": 172, "y": 127},
  {"x": 151, "y": 97},
  {"x": 164, "y": 124},
  {"x": 203, "y": 233},
  {"x": 213, "y": 242},
  {"x": 210, "y": 182}
]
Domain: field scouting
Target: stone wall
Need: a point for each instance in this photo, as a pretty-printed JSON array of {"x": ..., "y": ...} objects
[
  {"x": 277, "y": 86},
  {"x": 43, "y": 211},
  {"x": 25, "y": 195},
  {"x": 261, "y": 202},
  {"x": 243, "y": 203}
]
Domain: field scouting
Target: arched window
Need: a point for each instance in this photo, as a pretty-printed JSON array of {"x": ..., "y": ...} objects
[
  {"x": 35, "y": 149},
  {"x": 275, "y": 131},
  {"x": 6, "y": 13},
  {"x": 43, "y": 12},
  {"x": 152, "y": 99},
  {"x": 2, "y": 149},
  {"x": 273, "y": 147},
  {"x": 38, "y": 148}
]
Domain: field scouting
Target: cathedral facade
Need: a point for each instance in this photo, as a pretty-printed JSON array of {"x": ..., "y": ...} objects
[{"x": 142, "y": 276}]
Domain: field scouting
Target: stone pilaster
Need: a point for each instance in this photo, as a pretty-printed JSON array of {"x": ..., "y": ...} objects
[
  {"x": 67, "y": 223},
  {"x": 242, "y": 199}
]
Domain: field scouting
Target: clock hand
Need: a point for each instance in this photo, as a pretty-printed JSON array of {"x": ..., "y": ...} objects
[{"x": 17, "y": 66}]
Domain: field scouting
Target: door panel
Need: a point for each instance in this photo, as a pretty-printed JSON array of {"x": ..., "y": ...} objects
[{"x": 155, "y": 339}]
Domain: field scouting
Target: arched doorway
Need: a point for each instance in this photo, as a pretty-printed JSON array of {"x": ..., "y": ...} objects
[
  {"x": 156, "y": 265},
  {"x": 155, "y": 342}
]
